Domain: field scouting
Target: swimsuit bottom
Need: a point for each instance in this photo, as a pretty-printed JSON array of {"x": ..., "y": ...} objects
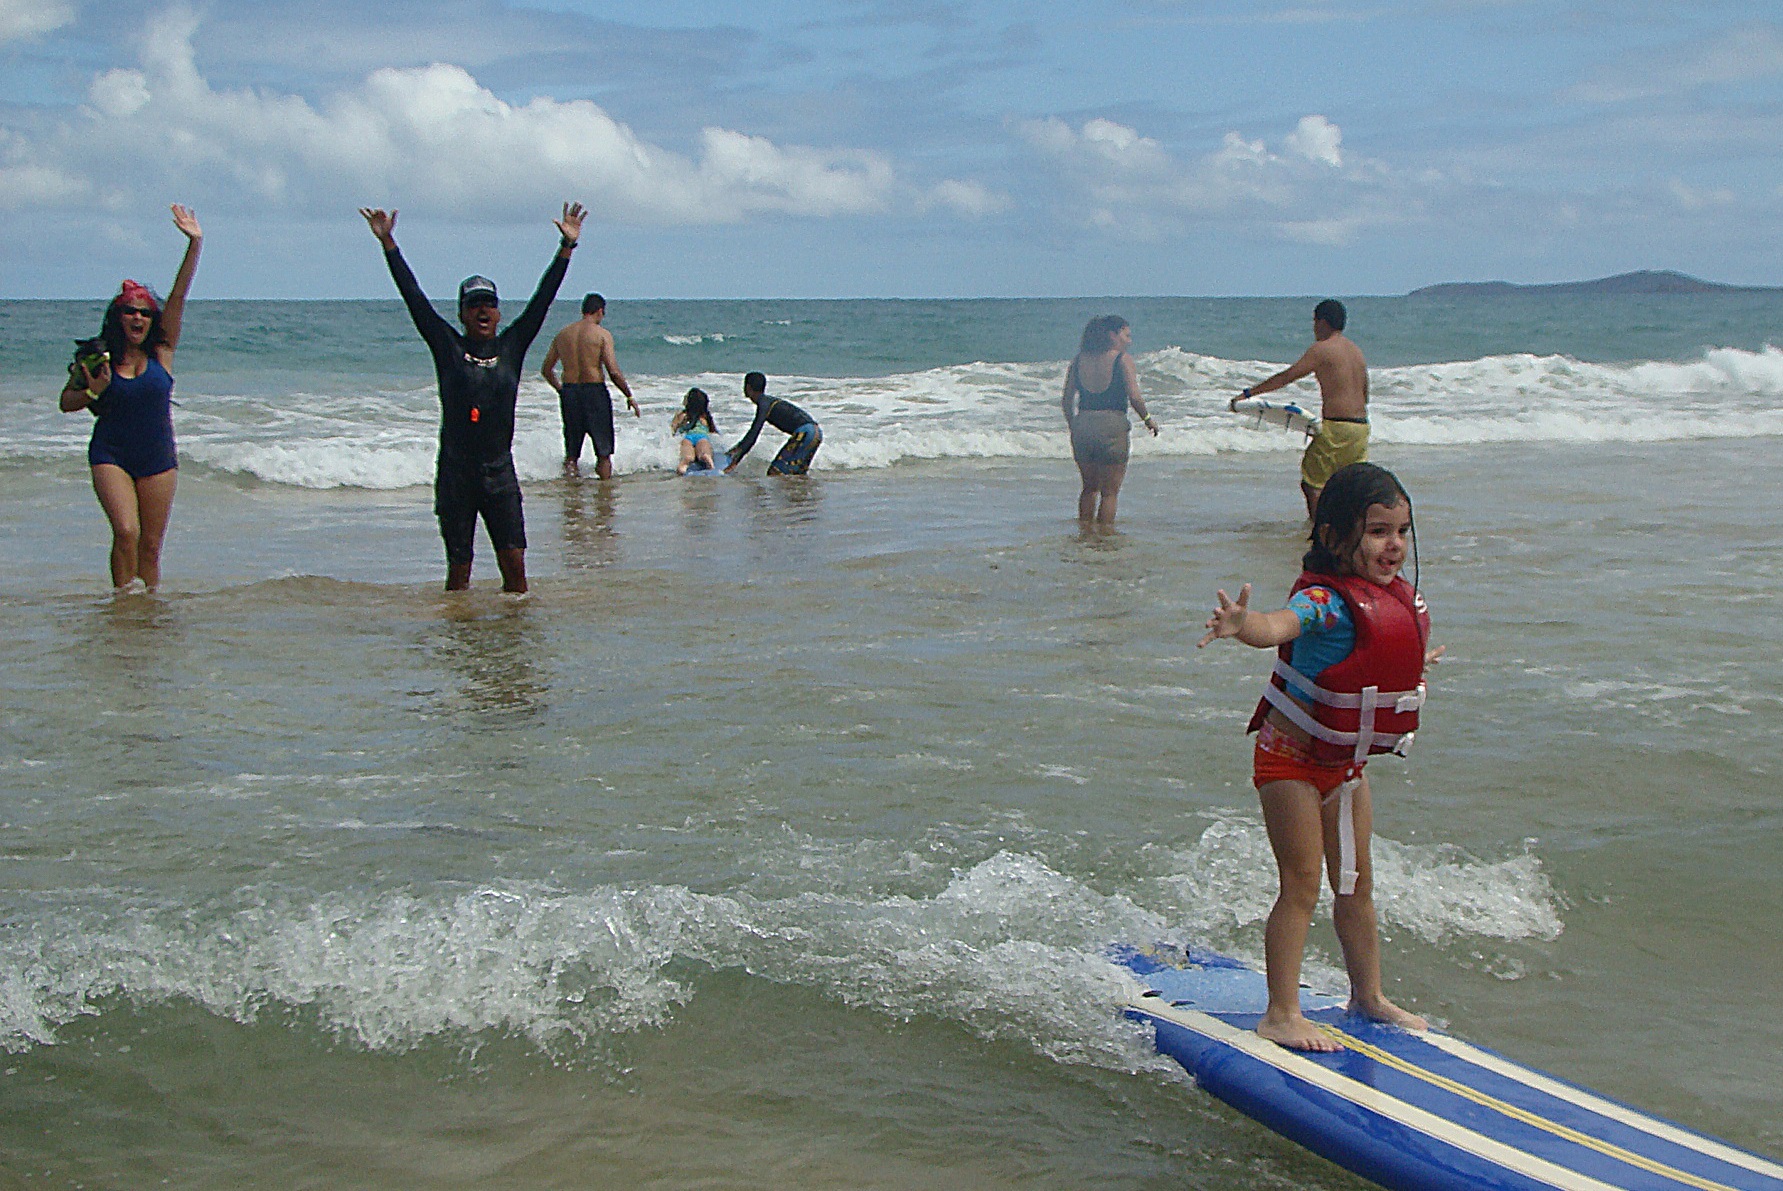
[
  {"x": 1337, "y": 443},
  {"x": 140, "y": 455},
  {"x": 1280, "y": 757},
  {"x": 1099, "y": 437},
  {"x": 587, "y": 410}
]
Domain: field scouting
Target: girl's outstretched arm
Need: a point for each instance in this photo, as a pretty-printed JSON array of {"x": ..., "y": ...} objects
[
  {"x": 174, "y": 312},
  {"x": 1265, "y": 630}
]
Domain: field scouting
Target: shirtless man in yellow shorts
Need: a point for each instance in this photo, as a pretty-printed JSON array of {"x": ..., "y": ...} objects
[{"x": 1343, "y": 399}]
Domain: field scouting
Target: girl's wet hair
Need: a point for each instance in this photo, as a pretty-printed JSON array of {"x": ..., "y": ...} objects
[
  {"x": 1343, "y": 506},
  {"x": 1099, "y": 335},
  {"x": 698, "y": 408}
]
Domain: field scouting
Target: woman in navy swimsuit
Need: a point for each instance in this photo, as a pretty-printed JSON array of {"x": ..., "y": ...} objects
[
  {"x": 132, "y": 453},
  {"x": 1097, "y": 417}
]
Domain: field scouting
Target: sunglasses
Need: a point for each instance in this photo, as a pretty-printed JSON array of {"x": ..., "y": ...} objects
[{"x": 146, "y": 313}]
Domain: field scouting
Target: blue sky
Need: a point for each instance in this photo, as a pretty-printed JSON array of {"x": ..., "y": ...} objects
[{"x": 825, "y": 148}]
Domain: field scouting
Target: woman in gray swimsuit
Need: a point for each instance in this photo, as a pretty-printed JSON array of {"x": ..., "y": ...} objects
[{"x": 1099, "y": 386}]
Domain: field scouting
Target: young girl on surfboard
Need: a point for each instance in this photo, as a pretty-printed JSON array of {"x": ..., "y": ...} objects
[
  {"x": 1348, "y": 682},
  {"x": 694, "y": 426}
]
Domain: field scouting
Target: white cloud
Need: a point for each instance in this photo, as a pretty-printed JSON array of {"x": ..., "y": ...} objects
[
  {"x": 1317, "y": 139},
  {"x": 1750, "y": 54},
  {"x": 434, "y": 137},
  {"x": 1691, "y": 198},
  {"x": 1101, "y": 142},
  {"x": 37, "y": 185},
  {"x": 967, "y": 198},
  {"x": 25, "y": 181},
  {"x": 1330, "y": 233},
  {"x": 1151, "y": 193},
  {"x": 1235, "y": 150},
  {"x": 119, "y": 93},
  {"x": 20, "y": 19}
]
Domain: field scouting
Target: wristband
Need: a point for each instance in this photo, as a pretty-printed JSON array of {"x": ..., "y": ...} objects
[{"x": 1245, "y": 396}]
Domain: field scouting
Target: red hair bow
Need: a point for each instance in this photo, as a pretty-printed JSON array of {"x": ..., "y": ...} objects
[{"x": 135, "y": 293}]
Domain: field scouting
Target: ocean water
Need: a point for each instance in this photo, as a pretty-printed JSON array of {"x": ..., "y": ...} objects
[{"x": 776, "y": 839}]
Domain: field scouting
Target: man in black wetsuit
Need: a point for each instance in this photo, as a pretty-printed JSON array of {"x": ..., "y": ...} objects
[
  {"x": 479, "y": 379},
  {"x": 795, "y": 457}
]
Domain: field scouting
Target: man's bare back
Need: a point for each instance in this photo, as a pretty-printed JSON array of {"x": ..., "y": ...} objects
[
  {"x": 585, "y": 349},
  {"x": 1337, "y": 364},
  {"x": 1342, "y": 374}
]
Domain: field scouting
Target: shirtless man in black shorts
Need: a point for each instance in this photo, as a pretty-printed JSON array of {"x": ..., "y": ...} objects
[
  {"x": 585, "y": 349},
  {"x": 479, "y": 380}
]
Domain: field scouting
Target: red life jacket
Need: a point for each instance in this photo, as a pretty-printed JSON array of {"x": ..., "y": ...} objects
[{"x": 1367, "y": 703}]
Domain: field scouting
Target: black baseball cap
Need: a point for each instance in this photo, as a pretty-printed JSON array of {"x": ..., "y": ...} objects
[{"x": 475, "y": 290}]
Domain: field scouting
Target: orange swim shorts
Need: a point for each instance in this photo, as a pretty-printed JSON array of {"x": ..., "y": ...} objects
[{"x": 1281, "y": 758}]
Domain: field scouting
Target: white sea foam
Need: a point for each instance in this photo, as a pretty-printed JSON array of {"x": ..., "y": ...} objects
[
  {"x": 1008, "y": 947},
  {"x": 982, "y": 411},
  {"x": 1225, "y": 884}
]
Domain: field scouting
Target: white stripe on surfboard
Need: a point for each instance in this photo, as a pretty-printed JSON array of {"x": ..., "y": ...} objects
[
  {"x": 1706, "y": 1146},
  {"x": 1462, "y": 1138},
  {"x": 1609, "y": 1149}
]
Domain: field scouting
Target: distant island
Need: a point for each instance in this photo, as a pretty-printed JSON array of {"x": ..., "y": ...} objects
[{"x": 1646, "y": 281}]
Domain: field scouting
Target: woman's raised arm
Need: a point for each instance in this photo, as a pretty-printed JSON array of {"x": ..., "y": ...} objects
[{"x": 174, "y": 312}]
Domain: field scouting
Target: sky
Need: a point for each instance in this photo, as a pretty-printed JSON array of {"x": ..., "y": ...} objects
[{"x": 892, "y": 148}]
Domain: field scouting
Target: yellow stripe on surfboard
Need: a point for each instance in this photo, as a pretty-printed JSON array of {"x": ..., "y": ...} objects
[
  {"x": 1441, "y": 1129},
  {"x": 1608, "y": 1149}
]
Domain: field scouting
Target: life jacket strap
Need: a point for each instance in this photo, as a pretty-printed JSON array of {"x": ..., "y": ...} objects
[
  {"x": 1347, "y": 870},
  {"x": 1365, "y": 739},
  {"x": 1401, "y": 700}
]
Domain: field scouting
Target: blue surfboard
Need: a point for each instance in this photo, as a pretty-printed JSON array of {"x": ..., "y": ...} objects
[
  {"x": 720, "y": 461},
  {"x": 1415, "y": 1111}
]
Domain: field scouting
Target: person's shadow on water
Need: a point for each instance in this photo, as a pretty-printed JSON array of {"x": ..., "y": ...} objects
[
  {"x": 590, "y": 538},
  {"x": 490, "y": 642}
]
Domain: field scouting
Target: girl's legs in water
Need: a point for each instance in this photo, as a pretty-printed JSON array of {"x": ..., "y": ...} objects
[
  {"x": 1358, "y": 932},
  {"x": 117, "y": 496},
  {"x": 1291, "y": 814},
  {"x": 704, "y": 452},
  {"x": 1112, "y": 477},
  {"x": 1101, "y": 489},
  {"x": 1304, "y": 836},
  {"x": 687, "y": 454},
  {"x": 154, "y": 500},
  {"x": 138, "y": 511},
  {"x": 1091, "y": 474}
]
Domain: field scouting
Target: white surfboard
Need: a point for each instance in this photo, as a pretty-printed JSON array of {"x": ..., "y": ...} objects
[{"x": 1285, "y": 414}]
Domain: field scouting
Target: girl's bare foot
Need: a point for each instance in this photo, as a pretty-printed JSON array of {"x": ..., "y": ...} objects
[
  {"x": 1296, "y": 1033},
  {"x": 1381, "y": 1009}
]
